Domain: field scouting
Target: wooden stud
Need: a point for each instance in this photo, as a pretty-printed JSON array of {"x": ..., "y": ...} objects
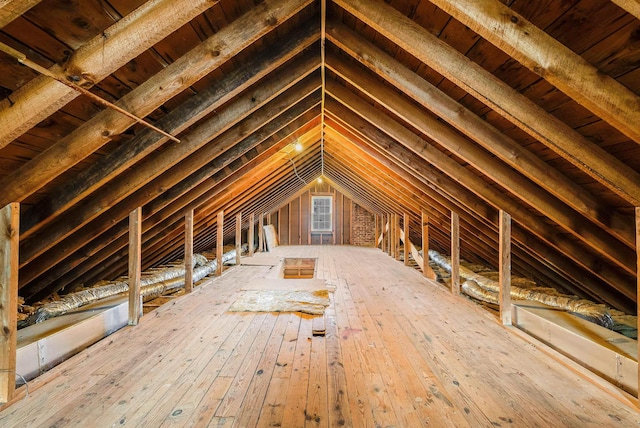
[
  {"x": 9, "y": 242},
  {"x": 505, "y": 268},
  {"x": 135, "y": 265},
  {"x": 638, "y": 280},
  {"x": 425, "y": 242},
  {"x": 390, "y": 235},
  {"x": 396, "y": 236},
  {"x": 220, "y": 242},
  {"x": 407, "y": 243},
  {"x": 455, "y": 253},
  {"x": 188, "y": 252},
  {"x": 238, "y": 238},
  {"x": 250, "y": 238},
  {"x": 261, "y": 233},
  {"x": 376, "y": 232}
]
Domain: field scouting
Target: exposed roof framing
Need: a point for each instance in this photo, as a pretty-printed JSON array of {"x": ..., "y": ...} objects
[{"x": 404, "y": 106}]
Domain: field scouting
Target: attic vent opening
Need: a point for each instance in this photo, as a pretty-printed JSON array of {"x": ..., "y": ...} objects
[{"x": 299, "y": 268}]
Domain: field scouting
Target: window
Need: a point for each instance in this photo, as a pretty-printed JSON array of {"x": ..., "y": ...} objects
[{"x": 321, "y": 209}]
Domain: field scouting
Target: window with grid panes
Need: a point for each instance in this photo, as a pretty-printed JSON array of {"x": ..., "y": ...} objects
[{"x": 321, "y": 213}]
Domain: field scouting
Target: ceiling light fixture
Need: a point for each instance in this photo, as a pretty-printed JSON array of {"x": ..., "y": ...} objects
[{"x": 298, "y": 147}]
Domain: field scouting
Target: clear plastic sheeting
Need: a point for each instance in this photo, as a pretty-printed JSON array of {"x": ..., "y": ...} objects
[
  {"x": 485, "y": 289},
  {"x": 153, "y": 283}
]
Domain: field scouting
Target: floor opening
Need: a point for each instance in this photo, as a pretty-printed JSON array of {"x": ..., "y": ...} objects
[{"x": 304, "y": 268}]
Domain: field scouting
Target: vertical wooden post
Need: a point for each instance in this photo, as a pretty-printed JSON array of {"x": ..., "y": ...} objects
[
  {"x": 638, "y": 275},
  {"x": 389, "y": 234},
  {"x": 135, "y": 264},
  {"x": 261, "y": 233},
  {"x": 219, "y": 242},
  {"x": 455, "y": 253},
  {"x": 391, "y": 224},
  {"x": 396, "y": 236},
  {"x": 188, "y": 252},
  {"x": 250, "y": 238},
  {"x": 376, "y": 229},
  {"x": 407, "y": 244},
  {"x": 9, "y": 242},
  {"x": 383, "y": 232},
  {"x": 505, "y": 268},
  {"x": 425, "y": 243},
  {"x": 238, "y": 238}
]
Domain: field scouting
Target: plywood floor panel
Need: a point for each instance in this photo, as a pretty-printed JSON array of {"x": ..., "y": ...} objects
[{"x": 399, "y": 350}]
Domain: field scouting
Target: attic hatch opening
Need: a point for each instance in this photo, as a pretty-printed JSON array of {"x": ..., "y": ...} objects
[{"x": 299, "y": 268}]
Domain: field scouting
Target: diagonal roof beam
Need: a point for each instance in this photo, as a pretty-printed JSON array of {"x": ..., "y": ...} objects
[
  {"x": 550, "y": 59},
  {"x": 474, "y": 183},
  {"x": 99, "y": 57},
  {"x": 11, "y": 9},
  {"x": 176, "y": 121},
  {"x": 476, "y": 129},
  {"x": 167, "y": 83},
  {"x": 514, "y": 106}
]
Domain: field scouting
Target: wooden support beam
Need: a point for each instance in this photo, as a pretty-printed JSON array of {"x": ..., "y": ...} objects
[
  {"x": 376, "y": 232},
  {"x": 550, "y": 59},
  {"x": 504, "y": 265},
  {"x": 238, "y": 238},
  {"x": 482, "y": 85},
  {"x": 392, "y": 235},
  {"x": 384, "y": 232},
  {"x": 220, "y": 242},
  {"x": 145, "y": 98},
  {"x": 387, "y": 150},
  {"x": 250, "y": 239},
  {"x": 95, "y": 60},
  {"x": 475, "y": 128},
  {"x": 524, "y": 189},
  {"x": 149, "y": 178},
  {"x": 213, "y": 97},
  {"x": 406, "y": 242},
  {"x": 9, "y": 227},
  {"x": 638, "y": 282},
  {"x": 631, "y": 6},
  {"x": 135, "y": 262},
  {"x": 12, "y": 9},
  {"x": 396, "y": 236},
  {"x": 595, "y": 237},
  {"x": 426, "y": 269},
  {"x": 261, "y": 232},
  {"x": 188, "y": 252},
  {"x": 455, "y": 253}
]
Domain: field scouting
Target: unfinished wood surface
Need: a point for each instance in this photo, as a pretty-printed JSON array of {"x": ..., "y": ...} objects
[
  {"x": 405, "y": 239},
  {"x": 549, "y": 58},
  {"x": 515, "y": 107},
  {"x": 504, "y": 265},
  {"x": 638, "y": 279},
  {"x": 219, "y": 242},
  {"x": 261, "y": 247},
  {"x": 426, "y": 269},
  {"x": 409, "y": 355},
  {"x": 135, "y": 268},
  {"x": 188, "y": 252},
  {"x": 9, "y": 231},
  {"x": 238, "y": 238},
  {"x": 455, "y": 253},
  {"x": 250, "y": 234}
]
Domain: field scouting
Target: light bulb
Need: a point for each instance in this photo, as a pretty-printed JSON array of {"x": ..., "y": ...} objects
[
  {"x": 319, "y": 179},
  {"x": 298, "y": 147}
]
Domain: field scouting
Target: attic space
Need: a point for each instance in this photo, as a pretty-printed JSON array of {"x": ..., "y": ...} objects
[{"x": 319, "y": 212}]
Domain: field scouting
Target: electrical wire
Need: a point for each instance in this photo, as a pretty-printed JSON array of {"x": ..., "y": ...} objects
[{"x": 295, "y": 170}]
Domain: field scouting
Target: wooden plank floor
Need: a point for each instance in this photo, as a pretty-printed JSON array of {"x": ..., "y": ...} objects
[{"x": 399, "y": 351}]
